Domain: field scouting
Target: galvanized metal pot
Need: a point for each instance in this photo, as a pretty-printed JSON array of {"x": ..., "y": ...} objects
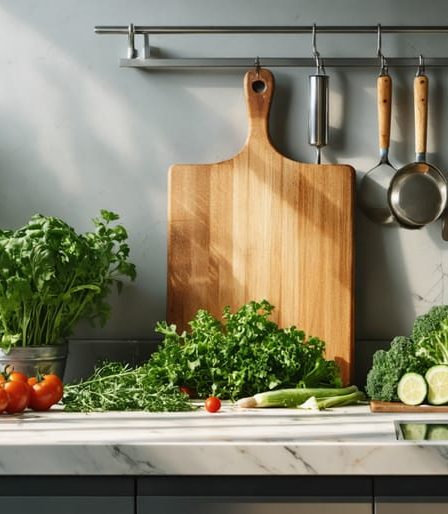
[{"x": 29, "y": 359}]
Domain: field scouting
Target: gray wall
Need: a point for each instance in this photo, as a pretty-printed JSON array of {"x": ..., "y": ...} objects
[{"x": 80, "y": 134}]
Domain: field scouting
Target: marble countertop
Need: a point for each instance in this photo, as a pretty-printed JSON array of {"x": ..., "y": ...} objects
[{"x": 346, "y": 441}]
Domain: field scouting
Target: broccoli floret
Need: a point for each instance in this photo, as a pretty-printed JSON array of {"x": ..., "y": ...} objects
[
  {"x": 389, "y": 366},
  {"x": 430, "y": 322},
  {"x": 433, "y": 349}
]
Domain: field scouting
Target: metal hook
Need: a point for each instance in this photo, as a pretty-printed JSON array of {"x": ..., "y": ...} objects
[
  {"x": 257, "y": 65},
  {"x": 132, "y": 52},
  {"x": 379, "y": 53},
  {"x": 421, "y": 66},
  {"x": 319, "y": 63}
]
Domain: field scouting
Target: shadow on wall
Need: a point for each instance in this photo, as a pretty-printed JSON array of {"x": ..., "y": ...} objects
[{"x": 85, "y": 136}]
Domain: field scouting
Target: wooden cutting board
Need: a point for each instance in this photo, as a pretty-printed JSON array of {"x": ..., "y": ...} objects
[
  {"x": 377, "y": 406},
  {"x": 262, "y": 226}
]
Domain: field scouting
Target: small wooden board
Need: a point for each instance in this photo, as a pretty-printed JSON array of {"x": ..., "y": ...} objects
[{"x": 377, "y": 406}]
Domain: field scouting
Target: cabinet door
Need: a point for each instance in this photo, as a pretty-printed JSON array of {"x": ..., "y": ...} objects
[
  {"x": 260, "y": 505},
  {"x": 254, "y": 495},
  {"x": 411, "y": 495},
  {"x": 420, "y": 507},
  {"x": 67, "y": 505},
  {"x": 67, "y": 495}
]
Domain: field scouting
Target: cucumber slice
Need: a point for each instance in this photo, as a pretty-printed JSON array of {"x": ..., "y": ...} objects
[
  {"x": 414, "y": 431},
  {"x": 412, "y": 389},
  {"x": 438, "y": 433},
  {"x": 437, "y": 378}
]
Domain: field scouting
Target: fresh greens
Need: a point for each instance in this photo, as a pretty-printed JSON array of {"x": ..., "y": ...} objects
[
  {"x": 429, "y": 323},
  {"x": 116, "y": 386},
  {"x": 389, "y": 366},
  {"x": 241, "y": 355},
  {"x": 432, "y": 347},
  {"x": 427, "y": 346},
  {"x": 295, "y": 397},
  {"x": 50, "y": 277},
  {"x": 315, "y": 403}
]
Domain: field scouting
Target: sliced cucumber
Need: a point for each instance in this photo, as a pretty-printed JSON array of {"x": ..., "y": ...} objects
[
  {"x": 438, "y": 433},
  {"x": 414, "y": 431},
  {"x": 412, "y": 389},
  {"x": 437, "y": 378}
]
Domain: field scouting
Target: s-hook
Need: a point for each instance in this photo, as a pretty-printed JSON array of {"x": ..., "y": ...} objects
[
  {"x": 318, "y": 106},
  {"x": 319, "y": 64},
  {"x": 379, "y": 53},
  {"x": 421, "y": 66},
  {"x": 132, "y": 52},
  {"x": 257, "y": 65}
]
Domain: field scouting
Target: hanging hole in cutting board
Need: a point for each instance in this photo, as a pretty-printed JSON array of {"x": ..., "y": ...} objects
[{"x": 259, "y": 86}]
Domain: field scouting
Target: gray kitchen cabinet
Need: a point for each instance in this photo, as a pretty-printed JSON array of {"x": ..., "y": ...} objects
[
  {"x": 67, "y": 495},
  {"x": 254, "y": 495},
  {"x": 411, "y": 495},
  {"x": 411, "y": 507},
  {"x": 238, "y": 505}
]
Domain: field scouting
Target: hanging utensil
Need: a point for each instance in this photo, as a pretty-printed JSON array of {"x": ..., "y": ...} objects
[
  {"x": 418, "y": 191},
  {"x": 375, "y": 183},
  {"x": 318, "y": 111}
]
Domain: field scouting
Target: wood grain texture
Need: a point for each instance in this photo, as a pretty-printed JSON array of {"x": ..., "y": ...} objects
[
  {"x": 377, "y": 406},
  {"x": 384, "y": 100},
  {"x": 260, "y": 225},
  {"x": 421, "y": 112}
]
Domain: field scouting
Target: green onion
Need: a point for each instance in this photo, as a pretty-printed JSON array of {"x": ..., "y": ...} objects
[{"x": 292, "y": 397}]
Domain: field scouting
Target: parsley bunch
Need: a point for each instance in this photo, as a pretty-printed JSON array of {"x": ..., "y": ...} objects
[
  {"x": 241, "y": 355},
  {"x": 50, "y": 277}
]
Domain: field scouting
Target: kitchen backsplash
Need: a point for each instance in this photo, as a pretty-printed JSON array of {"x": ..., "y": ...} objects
[{"x": 80, "y": 134}]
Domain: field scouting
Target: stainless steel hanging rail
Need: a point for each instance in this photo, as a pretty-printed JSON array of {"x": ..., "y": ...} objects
[
  {"x": 156, "y": 63},
  {"x": 289, "y": 29},
  {"x": 142, "y": 58}
]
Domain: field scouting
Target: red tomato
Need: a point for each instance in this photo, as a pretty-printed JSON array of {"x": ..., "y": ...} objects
[
  {"x": 212, "y": 404},
  {"x": 4, "y": 399},
  {"x": 19, "y": 395},
  {"x": 46, "y": 392},
  {"x": 187, "y": 390},
  {"x": 17, "y": 376}
]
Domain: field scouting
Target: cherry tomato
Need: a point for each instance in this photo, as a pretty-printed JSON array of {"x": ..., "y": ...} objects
[
  {"x": 46, "y": 392},
  {"x": 19, "y": 395},
  {"x": 4, "y": 399},
  {"x": 187, "y": 390},
  {"x": 212, "y": 404}
]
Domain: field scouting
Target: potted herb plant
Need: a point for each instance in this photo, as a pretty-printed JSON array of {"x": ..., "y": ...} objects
[{"x": 50, "y": 278}]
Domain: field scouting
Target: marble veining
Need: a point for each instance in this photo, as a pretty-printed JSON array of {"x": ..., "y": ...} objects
[{"x": 349, "y": 441}]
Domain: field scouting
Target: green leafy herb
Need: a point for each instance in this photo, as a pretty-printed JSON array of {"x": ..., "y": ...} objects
[
  {"x": 50, "y": 277},
  {"x": 116, "y": 386},
  {"x": 241, "y": 355}
]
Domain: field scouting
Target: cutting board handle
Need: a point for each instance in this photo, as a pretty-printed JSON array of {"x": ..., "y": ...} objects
[{"x": 259, "y": 88}]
